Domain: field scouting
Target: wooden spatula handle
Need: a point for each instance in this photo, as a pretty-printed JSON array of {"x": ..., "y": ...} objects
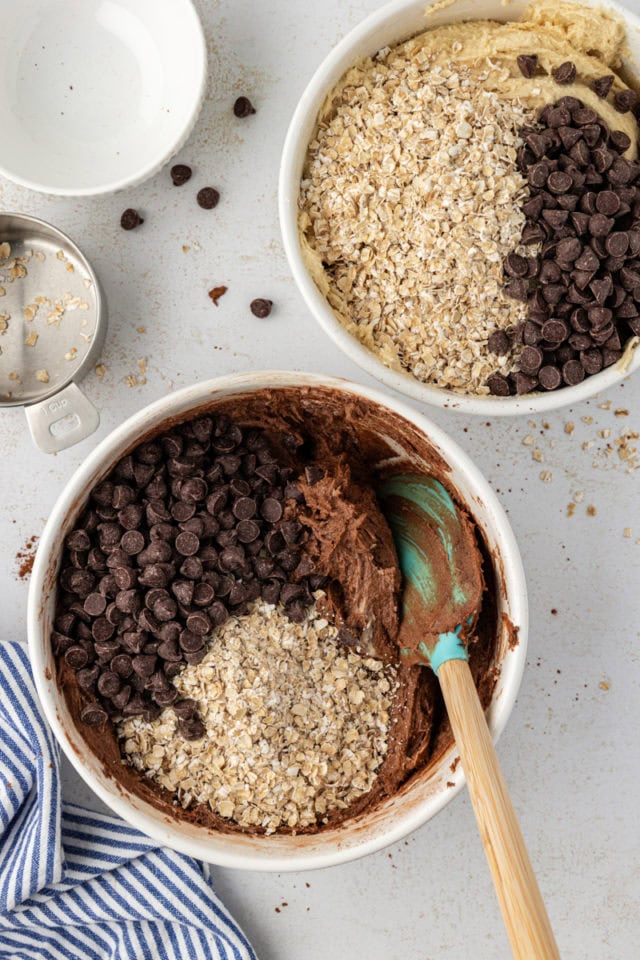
[{"x": 520, "y": 900}]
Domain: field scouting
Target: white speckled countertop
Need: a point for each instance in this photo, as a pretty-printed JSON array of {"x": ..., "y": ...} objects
[{"x": 570, "y": 750}]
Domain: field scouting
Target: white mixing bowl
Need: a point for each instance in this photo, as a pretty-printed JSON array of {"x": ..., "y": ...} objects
[
  {"x": 394, "y": 23},
  {"x": 426, "y": 793},
  {"x": 94, "y": 95}
]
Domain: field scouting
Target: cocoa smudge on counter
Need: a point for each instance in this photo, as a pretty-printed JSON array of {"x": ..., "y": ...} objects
[
  {"x": 25, "y": 558},
  {"x": 216, "y": 293}
]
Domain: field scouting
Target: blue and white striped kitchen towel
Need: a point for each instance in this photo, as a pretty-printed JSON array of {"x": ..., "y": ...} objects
[{"x": 78, "y": 884}]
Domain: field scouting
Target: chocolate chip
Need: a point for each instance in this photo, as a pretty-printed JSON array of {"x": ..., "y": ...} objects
[
  {"x": 130, "y": 219},
  {"x": 565, "y": 73},
  {"x": 584, "y": 116},
  {"x": 78, "y": 540},
  {"x": 191, "y": 729},
  {"x": 185, "y": 708},
  {"x": 498, "y": 387},
  {"x": 557, "y": 117},
  {"x": 591, "y": 361},
  {"x": 621, "y": 172},
  {"x": 538, "y": 173},
  {"x": 248, "y": 531},
  {"x": 624, "y": 100},
  {"x": 555, "y": 331},
  {"x": 243, "y": 107},
  {"x": 515, "y": 265},
  {"x": 602, "y": 85},
  {"x": 144, "y": 664},
  {"x": 527, "y": 64},
  {"x": 619, "y": 141},
  {"x": 569, "y": 249},
  {"x": 498, "y": 342},
  {"x": 187, "y": 544},
  {"x": 109, "y": 683},
  {"x": 531, "y": 360},
  {"x": 208, "y": 198},
  {"x": 517, "y": 289},
  {"x": 180, "y": 173},
  {"x": 524, "y": 383},
  {"x": 572, "y": 372},
  {"x": 95, "y": 604},
  {"x": 190, "y": 641},
  {"x": 617, "y": 244},
  {"x": 314, "y": 474},
  {"x": 261, "y": 308},
  {"x": 549, "y": 377},
  {"x": 93, "y": 714},
  {"x": 76, "y": 657}
]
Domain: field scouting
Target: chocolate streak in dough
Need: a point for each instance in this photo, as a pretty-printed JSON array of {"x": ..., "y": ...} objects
[{"x": 350, "y": 540}]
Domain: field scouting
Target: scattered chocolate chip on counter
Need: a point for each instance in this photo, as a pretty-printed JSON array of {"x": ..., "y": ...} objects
[
  {"x": 130, "y": 219},
  {"x": 261, "y": 308},
  {"x": 208, "y": 198},
  {"x": 180, "y": 173},
  {"x": 243, "y": 107}
]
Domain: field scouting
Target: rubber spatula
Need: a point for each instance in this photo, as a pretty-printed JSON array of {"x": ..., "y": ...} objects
[{"x": 442, "y": 590}]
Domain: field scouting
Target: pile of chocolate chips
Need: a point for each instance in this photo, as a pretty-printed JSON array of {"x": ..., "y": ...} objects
[
  {"x": 583, "y": 289},
  {"x": 186, "y": 530}
]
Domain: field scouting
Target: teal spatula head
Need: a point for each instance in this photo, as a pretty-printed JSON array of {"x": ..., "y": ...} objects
[{"x": 441, "y": 567}]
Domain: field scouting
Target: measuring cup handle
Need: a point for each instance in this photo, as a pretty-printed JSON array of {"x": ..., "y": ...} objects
[{"x": 62, "y": 420}]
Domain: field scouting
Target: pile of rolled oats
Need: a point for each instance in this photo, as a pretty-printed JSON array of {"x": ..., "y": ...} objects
[
  {"x": 296, "y": 725},
  {"x": 409, "y": 203}
]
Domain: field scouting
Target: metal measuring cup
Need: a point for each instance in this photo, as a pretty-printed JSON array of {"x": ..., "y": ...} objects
[{"x": 53, "y": 321}]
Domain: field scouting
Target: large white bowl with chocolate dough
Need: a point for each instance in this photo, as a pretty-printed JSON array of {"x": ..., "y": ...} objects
[
  {"x": 394, "y": 23},
  {"x": 426, "y": 792}
]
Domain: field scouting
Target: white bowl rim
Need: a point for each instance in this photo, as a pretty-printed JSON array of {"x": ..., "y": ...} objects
[
  {"x": 288, "y": 190},
  {"x": 193, "y": 396},
  {"x": 153, "y": 166}
]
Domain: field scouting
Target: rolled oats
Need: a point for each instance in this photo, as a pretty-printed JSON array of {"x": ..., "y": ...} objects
[
  {"x": 296, "y": 725},
  {"x": 410, "y": 201}
]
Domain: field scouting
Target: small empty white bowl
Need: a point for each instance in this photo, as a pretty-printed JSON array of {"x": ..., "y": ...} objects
[{"x": 97, "y": 95}]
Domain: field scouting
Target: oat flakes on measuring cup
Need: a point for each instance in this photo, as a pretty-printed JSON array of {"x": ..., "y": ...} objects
[{"x": 53, "y": 320}]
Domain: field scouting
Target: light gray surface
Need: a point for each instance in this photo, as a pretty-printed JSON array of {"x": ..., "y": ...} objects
[{"x": 570, "y": 750}]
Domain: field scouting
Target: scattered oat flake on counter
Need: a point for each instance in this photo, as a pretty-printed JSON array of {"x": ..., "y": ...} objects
[
  {"x": 5, "y": 251},
  {"x": 591, "y": 510},
  {"x": 42, "y": 376},
  {"x": 216, "y": 292},
  {"x": 18, "y": 270},
  {"x": 569, "y": 427},
  {"x": 546, "y": 476},
  {"x": 30, "y": 311},
  {"x": 139, "y": 379},
  {"x": 71, "y": 354},
  {"x": 32, "y": 339},
  {"x": 4, "y": 322},
  {"x": 141, "y": 329},
  {"x": 100, "y": 370}
]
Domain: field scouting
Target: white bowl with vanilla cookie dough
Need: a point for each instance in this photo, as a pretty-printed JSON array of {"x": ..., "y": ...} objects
[{"x": 460, "y": 201}]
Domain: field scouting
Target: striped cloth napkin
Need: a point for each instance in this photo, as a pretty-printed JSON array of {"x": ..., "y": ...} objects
[{"x": 78, "y": 884}]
